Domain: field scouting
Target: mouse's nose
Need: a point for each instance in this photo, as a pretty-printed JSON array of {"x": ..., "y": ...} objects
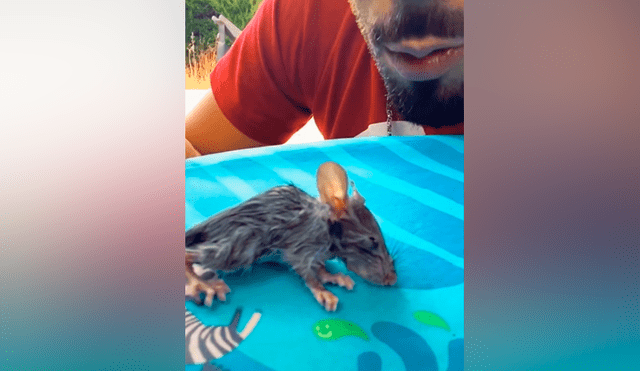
[{"x": 390, "y": 279}]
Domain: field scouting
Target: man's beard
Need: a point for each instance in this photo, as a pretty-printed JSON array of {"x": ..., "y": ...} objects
[
  {"x": 426, "y": 103},
  {"x": 436, "y": 103}
]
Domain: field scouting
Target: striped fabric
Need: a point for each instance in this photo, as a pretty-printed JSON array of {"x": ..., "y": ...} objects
[{"x": 204, "y": 343}]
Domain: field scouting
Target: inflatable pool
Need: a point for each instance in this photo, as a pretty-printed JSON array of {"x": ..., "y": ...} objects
[{"x": 414, "y": 186}]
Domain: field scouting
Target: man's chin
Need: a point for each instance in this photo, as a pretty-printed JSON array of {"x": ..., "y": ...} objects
[
  {"x": 427, "y": 103},
  {"x": 436, "y": 116}
]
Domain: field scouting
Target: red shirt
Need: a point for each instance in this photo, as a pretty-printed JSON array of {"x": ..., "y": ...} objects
[{"x": 298, "y": 58}]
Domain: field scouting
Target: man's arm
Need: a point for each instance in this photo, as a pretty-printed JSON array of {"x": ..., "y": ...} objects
[
  {"x": 189, "y": 150},
  {"x": 207, "y": 131}
]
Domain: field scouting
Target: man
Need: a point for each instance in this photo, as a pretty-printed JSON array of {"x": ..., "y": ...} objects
[{"x": 347, "y": 63}]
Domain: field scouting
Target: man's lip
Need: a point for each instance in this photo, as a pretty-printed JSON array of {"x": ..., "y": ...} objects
[
  {"x": 424, "y": 59},
  {"x": 420, "y": 48}
]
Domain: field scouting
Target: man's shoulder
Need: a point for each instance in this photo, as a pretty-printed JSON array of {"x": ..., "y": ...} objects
[{"x": 313, "y": 19}]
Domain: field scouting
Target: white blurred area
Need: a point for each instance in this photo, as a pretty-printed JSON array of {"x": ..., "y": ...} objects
[{"x": 309, "y": 133}]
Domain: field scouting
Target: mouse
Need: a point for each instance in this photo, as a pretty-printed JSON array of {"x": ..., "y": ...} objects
[{"x": 303, "y": 231}]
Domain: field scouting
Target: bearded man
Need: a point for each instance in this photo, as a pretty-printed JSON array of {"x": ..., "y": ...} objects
[{"x": 349, "y": 64}]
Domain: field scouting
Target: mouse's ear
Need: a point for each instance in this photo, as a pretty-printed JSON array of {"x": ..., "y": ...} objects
[
  {"x": 338, "y": 207},
  {"x": 332, "y": 187},
  {"x": 356, "y": 196}
]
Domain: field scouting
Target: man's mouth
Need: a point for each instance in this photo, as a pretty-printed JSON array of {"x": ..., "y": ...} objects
[{"x": 424, "y": 59}]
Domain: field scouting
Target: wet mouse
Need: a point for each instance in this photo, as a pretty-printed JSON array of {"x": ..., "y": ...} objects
[{"x": 304, "y": 231}]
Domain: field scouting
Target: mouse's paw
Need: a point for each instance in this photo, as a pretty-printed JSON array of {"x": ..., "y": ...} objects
[
  {"x": 220, "y": 289},
  {"x": 211, "y": 289},
  {"x": 339, "y": 279},
  {"x": 326, "y": 299}
]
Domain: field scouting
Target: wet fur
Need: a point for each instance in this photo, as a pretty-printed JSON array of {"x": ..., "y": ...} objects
[{"x": 287, "y": 222}]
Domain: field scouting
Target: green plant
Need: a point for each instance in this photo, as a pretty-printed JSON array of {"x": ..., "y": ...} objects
[{"x": 198, "y": 21}]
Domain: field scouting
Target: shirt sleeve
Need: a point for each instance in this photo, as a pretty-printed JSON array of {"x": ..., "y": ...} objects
[{"x": 255, "y": 84}]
